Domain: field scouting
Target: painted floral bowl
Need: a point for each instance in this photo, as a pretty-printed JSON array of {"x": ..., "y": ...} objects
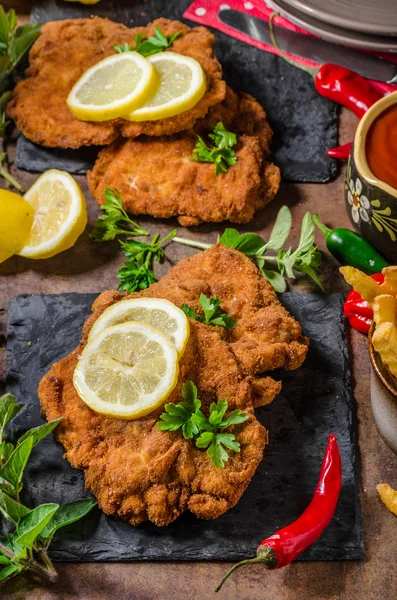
[{"x": 371, "y": 203}]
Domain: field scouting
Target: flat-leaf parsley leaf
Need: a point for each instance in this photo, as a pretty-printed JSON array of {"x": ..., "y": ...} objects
[
  {"x": 221, "y": 153},
  {"x": 213, "y": 313}
]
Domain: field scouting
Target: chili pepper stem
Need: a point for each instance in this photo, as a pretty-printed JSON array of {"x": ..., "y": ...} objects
[
  {"x": 325, "y": 230},
  {"x": 311, "y": 70},
  {"x": 266, "y": 557}
]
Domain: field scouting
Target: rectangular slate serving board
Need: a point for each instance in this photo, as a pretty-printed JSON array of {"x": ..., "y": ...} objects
[
  {"x": 316, "y": 400},
  {"x": 304, "y": 123}
]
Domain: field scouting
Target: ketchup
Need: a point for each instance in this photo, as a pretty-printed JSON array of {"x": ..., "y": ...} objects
[{"x": 381, "y": 147}]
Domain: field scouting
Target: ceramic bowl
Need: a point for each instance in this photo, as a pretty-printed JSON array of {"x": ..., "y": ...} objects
[
  {"x": 371, "y": 203},
  {"x": 383, "y": 397}
]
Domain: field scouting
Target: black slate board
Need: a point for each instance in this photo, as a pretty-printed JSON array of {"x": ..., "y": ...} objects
[
  {"x": 316, "y": 400},
  {"x": 304, "y": 123}
]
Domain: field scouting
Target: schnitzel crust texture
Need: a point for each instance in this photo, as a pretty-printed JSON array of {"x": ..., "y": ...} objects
[
  {"x": 66, "y": 49},
  {"x": 139, "y": 473}
]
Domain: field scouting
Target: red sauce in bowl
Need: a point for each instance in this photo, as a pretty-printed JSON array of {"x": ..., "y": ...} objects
[{"x": 381, "y": 147}]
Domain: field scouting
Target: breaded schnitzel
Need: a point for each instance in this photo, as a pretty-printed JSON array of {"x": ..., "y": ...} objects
[
  {"x": 156, "y": 176},
  {"x": 66, "y": 49},
  {"x": 140, "y": 473}
]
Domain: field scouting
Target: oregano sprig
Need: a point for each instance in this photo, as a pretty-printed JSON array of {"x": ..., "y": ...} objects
[
  {"x": 206, "y": 432},
  {"x": 306, "y": 258}
]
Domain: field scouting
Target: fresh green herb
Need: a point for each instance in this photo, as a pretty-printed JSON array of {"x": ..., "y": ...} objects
[
  {"x": 206, "y": 432},
  {"x": 221, "y": 153},
  {"x": 114, "y": 220},
  {"x": 305, "y": 259},
  {"x": 4, "y": 172},
  {"x": 137, "y": 273},
  {"x": 29, "y": 531},
  {"x": 152, "y": 45},
  {"x": 14, "y": 43},
  {"x": 213, "y": 313}
]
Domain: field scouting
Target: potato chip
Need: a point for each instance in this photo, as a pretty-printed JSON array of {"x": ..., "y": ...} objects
[
  {"x": 385, "y": 309},
  {"x": 388, "y": 496},
  {"x": 384, "y": 341},
  {"x": 362, "y": 283}
]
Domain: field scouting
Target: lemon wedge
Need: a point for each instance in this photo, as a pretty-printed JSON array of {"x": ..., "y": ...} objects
[
  {"x": 182, "y": 85},
  {"x": 126, "y": 370},
  {"x": 116, "y": 85},
  {"x": 60, "y": 215},
  {"x": 16, "y": 219},
  {"x": 156, "y": 312}
]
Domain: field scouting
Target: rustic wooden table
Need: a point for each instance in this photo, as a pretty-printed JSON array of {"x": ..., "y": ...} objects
[{"x": 90, "y": 267}]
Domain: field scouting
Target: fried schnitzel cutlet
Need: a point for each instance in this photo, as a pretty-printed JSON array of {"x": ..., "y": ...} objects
[
  {"x": 66, "y": 49},
  {"x": 156, "y": 176},
  {"x": 139, "y": 473}
]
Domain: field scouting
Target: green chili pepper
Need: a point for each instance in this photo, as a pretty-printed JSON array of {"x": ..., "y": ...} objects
[{"x": 350, "y": 248}]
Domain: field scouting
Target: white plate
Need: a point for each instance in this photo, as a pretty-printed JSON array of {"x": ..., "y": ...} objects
[
  {"x": 331, "y": 33},
  {"x": 377, "y": 17}
]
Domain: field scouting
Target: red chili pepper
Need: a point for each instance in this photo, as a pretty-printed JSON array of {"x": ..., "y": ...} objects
[
  {"x": 340, "y": 152},
  {"x": 358, "y": 311},
  {"x": 346, "y": 87},
  {"x": 336, "y": 83},
  {"x": 280, "y": 549}
]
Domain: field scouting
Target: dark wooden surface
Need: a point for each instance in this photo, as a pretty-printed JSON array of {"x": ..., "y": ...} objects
[{"x": 90, "y": 267}]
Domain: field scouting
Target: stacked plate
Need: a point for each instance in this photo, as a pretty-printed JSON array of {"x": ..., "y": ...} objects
[{"x": 366, "y": 24}]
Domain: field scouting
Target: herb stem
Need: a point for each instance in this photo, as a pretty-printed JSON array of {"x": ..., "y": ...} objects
[
  {"x": 47, "y": 561},
  {"x": 192, "y": 243},
  {"x": 6, "y": 551},
  {"x": 11, "y": 180},
  {"x": 50, "y": 573}
]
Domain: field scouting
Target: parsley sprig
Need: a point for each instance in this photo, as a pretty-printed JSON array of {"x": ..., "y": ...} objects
[
  {"x": 275, "y": 268},
  {"x": 136, "y": 273},
  {"x": 213, "y": 313},
  {"x": 221, "y": 153},
  {"x": 151, "y": 45},
  {"x": 206, "y": 432},
  {"x": 114, "y": 220},
  {"x": 29, "y": 532}
]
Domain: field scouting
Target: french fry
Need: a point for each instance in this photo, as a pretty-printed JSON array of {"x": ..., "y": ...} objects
[
  {"x": 362, "y": 283},
  {"x": 385, "y": 309},
  {"x": 384, "y": 341},
  {"x": 389, "y": 286},
  {"x": 388, "y": 496}
]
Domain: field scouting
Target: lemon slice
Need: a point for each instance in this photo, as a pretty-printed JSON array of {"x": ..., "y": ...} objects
[
  {"x": 16, "y": 219},
  {"x": 60, "y": 214},
  {"x": 127, "y": 370},
  {"x": 156, "y": 312},
  {"x": 182, "y": 85},
  {"x": 114, "y": 86}
]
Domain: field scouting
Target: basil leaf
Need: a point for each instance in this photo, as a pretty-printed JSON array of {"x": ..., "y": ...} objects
[
  {"x": 276, "y": 280},
  {"x": 31, "y": 525},
  {"x": 23, "y": 40},
  {"x": 9, "y": 572},
  {"x": 8, "y": 409},
  {"x": 5, "y": 452},
  {"x": 4, "y": 560},
  {"x": 39, "y": 433},
  {"x": 11, "y": 509},
  {"x": 12, "y": 19},
  {"x": 12, "y": 471},
  {"x": 280, "y": 230},
  {"x": 66, "y": 514},
  {"x": 4, "y": 27}
]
